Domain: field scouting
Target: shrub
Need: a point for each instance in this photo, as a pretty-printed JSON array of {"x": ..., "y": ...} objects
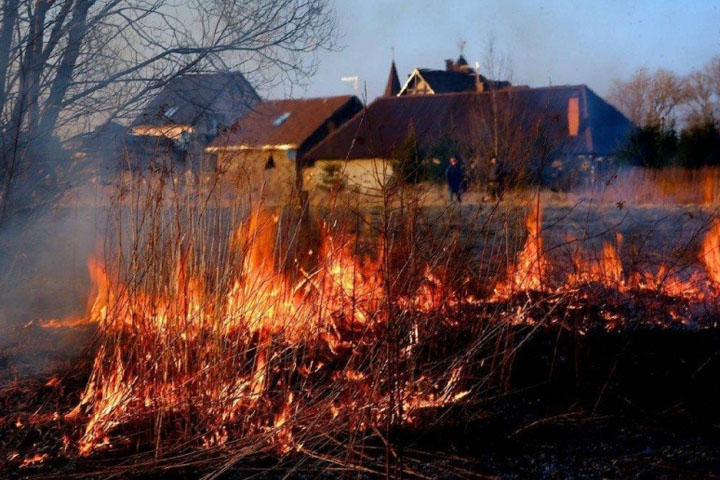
[
  {"x": 700, "y": 145},
  {"x": 652, "y": 146}
]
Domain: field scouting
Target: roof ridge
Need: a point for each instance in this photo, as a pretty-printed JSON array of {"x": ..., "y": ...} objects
[
  {"x": 320, "y": 125},
  {"x": 310, "y": 115},
  {"x": 488, "y": 92},
  {"x": 306, "y": 99}
]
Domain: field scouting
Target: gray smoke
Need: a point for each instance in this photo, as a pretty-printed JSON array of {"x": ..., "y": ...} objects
[{"x": 43, "y": 275}]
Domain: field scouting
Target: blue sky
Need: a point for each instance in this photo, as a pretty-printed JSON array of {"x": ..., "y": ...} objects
[{"x": 558, "y": 42}]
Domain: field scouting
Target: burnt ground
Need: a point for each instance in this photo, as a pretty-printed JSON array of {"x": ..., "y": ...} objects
[
  {"x": 632, "y": 403},
  {"x": 639, "y": 404}
]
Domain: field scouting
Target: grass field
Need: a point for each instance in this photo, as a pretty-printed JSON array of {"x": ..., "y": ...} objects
[{"x": 43, "y": 260}]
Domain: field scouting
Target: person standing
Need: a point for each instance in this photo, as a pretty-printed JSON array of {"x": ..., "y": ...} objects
[
  {"x": 494, "y": 178},
  {"x": 455, "y": 178}
]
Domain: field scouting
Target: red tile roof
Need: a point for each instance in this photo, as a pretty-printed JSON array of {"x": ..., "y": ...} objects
[{"x": 282, "y": 122}]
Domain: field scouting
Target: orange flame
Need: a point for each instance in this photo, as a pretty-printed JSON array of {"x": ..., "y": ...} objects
[
  {"x": 710, "y": 252},
  {"x": 220, "y": 347},
  {"x": 193, "y": 346},
  {"x": 528, "y": 272}
]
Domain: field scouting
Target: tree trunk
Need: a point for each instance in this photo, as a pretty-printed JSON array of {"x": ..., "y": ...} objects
[
  {"x": 61, "y": 83},
  {"x": 35, "y": 65},
  {"x": 30, "y": 72},
  {"x": 9, "y": 16}
]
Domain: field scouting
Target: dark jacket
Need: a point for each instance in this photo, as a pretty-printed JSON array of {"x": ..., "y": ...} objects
[
  {"x": 455, "y": 177},
  {"x": 495, "y": 172}
]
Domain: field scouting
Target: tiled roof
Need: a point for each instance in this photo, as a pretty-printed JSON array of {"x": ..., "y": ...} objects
[
  {"x": 283, "y": 122},
  {"x": 184, "y": 99},
  {"x": 467, "y": 120},
  {"x": 443, "y": 81}
]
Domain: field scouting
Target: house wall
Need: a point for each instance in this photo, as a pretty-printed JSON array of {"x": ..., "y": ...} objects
[
  {"x": 247, "y": 171},
  {"x": 362, "y": 175},
  {"x": 171, "y": 131}
]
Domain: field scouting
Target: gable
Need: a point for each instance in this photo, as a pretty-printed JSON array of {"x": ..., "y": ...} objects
[{"x": 416, "y": 85}]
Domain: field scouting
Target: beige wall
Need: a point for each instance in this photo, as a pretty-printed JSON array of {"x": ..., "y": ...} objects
[
  {"x": 421, "y": 88},
  {"x": 246, "y": 170},
  {"x": 362, "y": 175},
  {"x": 171, "y": 131}
]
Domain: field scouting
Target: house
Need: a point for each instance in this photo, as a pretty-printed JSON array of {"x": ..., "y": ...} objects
[
  {"x": 527, "y": 127},
  {"x": 458, "y": 76},
  {"x": 266, "y": 147},
  {"x": 192, "y": 108},
  {"x": 101, "y": 149}
]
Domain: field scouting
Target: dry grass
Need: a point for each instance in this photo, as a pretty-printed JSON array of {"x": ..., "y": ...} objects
[{"x": 232, "y": 331}]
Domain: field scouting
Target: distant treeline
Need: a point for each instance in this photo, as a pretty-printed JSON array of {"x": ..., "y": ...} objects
[
  {"x": 677, "y": 117},
  {"x": 658, "y": 146}
]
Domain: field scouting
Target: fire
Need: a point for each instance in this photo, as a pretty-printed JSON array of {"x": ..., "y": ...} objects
[
  {"x": 33, "y": 460},
  {"x": 605, "y": 270},
  {"x": 192, "y": 347},
  {"x": 96, "y": 303},
  {"x": 528, "y": 272},
  {"x": 710, "y": 252},
  {"x": 277, "y": 341}
]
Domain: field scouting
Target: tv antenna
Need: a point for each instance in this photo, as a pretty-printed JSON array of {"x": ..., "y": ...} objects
[{"x": 351, "y": 78}]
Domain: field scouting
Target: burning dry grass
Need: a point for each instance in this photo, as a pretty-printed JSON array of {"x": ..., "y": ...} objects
[
  {"x": 263, "y": 339},
  {"x": 228, "y": 337}
]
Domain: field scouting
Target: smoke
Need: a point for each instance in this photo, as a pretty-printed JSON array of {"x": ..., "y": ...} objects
[{"x": 43, "y": 275}]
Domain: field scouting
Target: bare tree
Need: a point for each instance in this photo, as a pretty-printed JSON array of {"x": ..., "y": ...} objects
[
  {"x": 649, "y": 98},
  {"x": 703, "y": 94},
  {"x": 68, "y": 64}
]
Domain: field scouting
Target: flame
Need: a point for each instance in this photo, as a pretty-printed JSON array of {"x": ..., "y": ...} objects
[
  {"x": 710, "y": 252},
  {"x": 528, "y": 272},
  {"x": 606, "y": 270},
  {"x": 242, "y": 357},
  {"x": 222, "y": 348},
  {"x": 96, "y": 301},
  {"x": 33, "y": 460}
]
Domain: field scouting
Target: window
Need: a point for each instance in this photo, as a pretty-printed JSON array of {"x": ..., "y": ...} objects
[
  {"x": 270, "y": 164},
  {"x": 214, "y": 125},
  {"x": 281, "y": 119}
]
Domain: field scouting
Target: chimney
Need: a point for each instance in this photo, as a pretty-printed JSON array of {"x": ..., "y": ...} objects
[
  {"x": 461, "y": 65},
  {"x": 449, "y": 65},
  {"x": 573, "y": 116},
  {"x": 479, "y": 86}
]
